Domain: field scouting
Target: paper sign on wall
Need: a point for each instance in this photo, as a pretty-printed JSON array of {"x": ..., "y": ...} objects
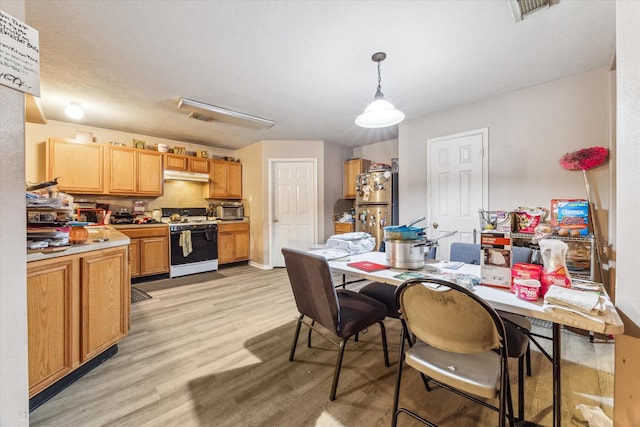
[{"x": 19, "y": 55}]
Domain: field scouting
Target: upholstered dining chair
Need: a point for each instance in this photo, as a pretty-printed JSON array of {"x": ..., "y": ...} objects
[
  {"x": 342, "y": 312},
  {"x": 460, "y": 345}
]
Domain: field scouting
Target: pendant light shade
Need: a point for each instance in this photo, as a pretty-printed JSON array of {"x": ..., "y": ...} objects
[{"x": 380, "y": 113}]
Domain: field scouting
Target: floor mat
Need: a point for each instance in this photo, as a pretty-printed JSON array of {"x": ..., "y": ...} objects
[
  {"x": 137, "y": 295},
  {"x": 158, "y": 285}
]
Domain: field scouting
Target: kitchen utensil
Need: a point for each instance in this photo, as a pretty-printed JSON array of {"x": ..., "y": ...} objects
[
  {"x": 406, "y": 254},
  {"x": 415, "y": 221}
]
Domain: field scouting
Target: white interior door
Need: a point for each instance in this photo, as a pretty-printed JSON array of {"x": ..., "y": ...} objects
[
  {"x": 294, "y": 219},
  {"x": 457, "y": 186}
]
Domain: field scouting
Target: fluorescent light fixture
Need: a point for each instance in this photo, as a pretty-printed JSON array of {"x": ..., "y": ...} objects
[
  {"x": 211, "y": 113},
  {"x": 380, "y": 113},
  {"x": 73, "y": 111}
]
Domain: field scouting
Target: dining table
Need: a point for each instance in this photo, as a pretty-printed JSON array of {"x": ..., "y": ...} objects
[{"x": 500, "y": 298}]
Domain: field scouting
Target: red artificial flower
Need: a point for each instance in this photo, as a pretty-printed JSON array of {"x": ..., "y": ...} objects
[{"x": 584, "y": 159}]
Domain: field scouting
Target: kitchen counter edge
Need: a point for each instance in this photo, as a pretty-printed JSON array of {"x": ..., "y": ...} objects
[{"x": 115, "y": 239}]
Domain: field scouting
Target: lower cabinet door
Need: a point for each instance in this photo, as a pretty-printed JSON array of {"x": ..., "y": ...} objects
[
  {"x": 52, "y": 306},
  {"x": 106, "y": 294}
]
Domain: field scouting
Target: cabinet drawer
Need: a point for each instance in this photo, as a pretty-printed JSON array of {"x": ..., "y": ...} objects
[{"x": 232, "y": 226}]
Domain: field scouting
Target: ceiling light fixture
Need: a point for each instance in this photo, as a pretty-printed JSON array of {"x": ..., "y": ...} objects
[
  {"x": 73, "y": 111},
  {"x": 208, "y": 113},
  {"x": 380, "y": 113}
]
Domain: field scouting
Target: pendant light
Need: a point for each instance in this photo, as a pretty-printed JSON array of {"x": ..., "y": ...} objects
[{"x": 380, "y": 113}]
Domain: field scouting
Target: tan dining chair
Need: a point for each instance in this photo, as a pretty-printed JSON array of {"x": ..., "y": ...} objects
[
  {"x": 460, "y": 345},
  {"x": 342, "y": 312}
]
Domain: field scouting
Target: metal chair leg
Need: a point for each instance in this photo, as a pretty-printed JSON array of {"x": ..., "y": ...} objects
[
  {"x": 521, "y": 387},
  {"x": 528, "y": 358},
  {"x": 313, "y": 322},
  {"x": 336, "y": 373},
  {"x": 383, "y": 332},
  {"x": 396, "y": 393},
  {"x": 295, "y": 338}
]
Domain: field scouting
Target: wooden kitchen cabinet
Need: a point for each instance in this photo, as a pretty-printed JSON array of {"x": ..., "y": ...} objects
[
  {"x": 79, "y": 167},
  {"x": 233, "y": 242},
  {"x": 149, "y": 249},
  {"x": 77, "y": 307},
  {"x": 225, "y": 180},
  {"x": 343, "y": 227},
  {"x": 134, "y": 172},
  {"x": 178, "y": 162},
  {"x": 351, "y": 169}
]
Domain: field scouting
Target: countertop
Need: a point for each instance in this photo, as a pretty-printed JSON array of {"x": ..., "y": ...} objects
[
  {"x": 232, "y": 221},
  {"x": 95, "y": 232}
]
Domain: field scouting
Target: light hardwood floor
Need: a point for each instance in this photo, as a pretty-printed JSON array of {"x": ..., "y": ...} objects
[{"x": 216, "y": 354}]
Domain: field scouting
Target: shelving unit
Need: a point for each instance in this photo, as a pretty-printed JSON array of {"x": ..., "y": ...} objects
[{"x": 583, "y": 244}]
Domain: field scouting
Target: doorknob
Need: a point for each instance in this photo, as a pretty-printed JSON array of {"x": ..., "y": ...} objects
[
  {"x": 276, "y": 220},
  {"x": 434, "y": 225}
]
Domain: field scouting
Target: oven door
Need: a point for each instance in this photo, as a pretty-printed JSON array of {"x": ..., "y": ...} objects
[{"x": 204, "y": 243}]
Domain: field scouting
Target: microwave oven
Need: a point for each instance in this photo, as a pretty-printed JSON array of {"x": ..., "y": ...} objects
[{"x": 227, "y": 212}]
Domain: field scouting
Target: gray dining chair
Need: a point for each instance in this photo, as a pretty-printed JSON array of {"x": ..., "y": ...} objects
[
  {"x": 470, "y": 361},
  {"x": 342, "y": 312}
]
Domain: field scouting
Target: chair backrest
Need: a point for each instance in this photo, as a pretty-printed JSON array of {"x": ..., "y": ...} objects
[
  {"x": 312, "y": 285},
  {"x": 521, "y": 254},
  {"x": 468, "y": 253},
  {"x": 449, "y": 317}
]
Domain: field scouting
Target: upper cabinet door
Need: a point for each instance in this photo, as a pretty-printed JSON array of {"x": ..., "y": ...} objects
[
  {"x": 175, "y": 162},
  {"x": 122, "y": 170},
  {"x": 225, "y": 180},
  {"x": 352, "y": 168},
  {"x": 234, "y": 180},
  {"x": 197, "y": 164},
  {"x": 79, "y": 167},
  {"x": 150, "y": 179}
]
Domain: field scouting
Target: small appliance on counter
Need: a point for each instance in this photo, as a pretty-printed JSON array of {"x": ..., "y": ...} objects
[{"x": 226, "y": 211}]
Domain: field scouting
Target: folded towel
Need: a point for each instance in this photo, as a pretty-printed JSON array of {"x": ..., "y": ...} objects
[
  {"x": 585, "y": 302},
  {"x": 185, "y": 242}
]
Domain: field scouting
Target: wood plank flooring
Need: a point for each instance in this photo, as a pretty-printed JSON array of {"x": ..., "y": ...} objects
[{"x": 216, "y": 354}]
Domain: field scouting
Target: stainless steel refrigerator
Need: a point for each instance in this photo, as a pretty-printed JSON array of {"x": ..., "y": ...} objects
[{"x": 376, "y": 202}]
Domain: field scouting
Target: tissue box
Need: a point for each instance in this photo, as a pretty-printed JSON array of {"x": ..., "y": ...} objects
[{"x": 495, "y": 259}]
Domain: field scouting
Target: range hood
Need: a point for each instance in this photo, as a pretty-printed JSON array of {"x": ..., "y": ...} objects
[{"x": 185, "y": 176}]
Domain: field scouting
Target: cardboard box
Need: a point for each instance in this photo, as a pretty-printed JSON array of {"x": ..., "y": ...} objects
[
  {"x": 571, "y": 214},
  {"x": 495, "y": 259}
]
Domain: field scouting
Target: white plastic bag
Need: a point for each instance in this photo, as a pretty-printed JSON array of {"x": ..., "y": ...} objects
[{"x": 595, "y": 416}]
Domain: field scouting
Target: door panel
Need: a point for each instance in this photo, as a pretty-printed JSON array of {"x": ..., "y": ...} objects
[
  {"x": 457, "y": 186},
  {"x": 294, "y": 218}
]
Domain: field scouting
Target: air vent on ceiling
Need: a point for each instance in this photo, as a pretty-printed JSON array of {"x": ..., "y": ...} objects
[
  {"x": 210, "y": 113},
  {"x": 525, "y": 8}
]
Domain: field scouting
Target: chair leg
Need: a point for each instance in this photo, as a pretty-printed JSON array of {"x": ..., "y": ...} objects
[
  {"x": 528, "y": 358},
  {"x": 313, "y": 322},
  {"x": 383, "y": 333},
  {"x": 336, "y": 373},
  {"x": 521, "y": 387},
  {"x": 295, "y": 338},
  {"x": 396, "y": 393}
]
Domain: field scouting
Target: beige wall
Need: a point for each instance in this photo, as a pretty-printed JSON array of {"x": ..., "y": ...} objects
[
  {"x": 529, "y": 131},
  {"x": 627, "y": 387},
  {"x": 254, "y": 201},
  {"x": 381, "y": 152}
]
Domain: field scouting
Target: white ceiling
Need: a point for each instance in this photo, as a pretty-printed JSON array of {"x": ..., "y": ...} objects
[{"x": 304, "y": 64}]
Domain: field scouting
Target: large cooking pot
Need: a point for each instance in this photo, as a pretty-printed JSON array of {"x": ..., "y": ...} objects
[{"x": 406, "y": 254}]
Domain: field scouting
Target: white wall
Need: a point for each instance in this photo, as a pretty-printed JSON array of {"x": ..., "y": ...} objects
[
  {"x": 529, "y": 131},
  {"x": 627, "y": 388},
  {"x": 14, "y": 381}
]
